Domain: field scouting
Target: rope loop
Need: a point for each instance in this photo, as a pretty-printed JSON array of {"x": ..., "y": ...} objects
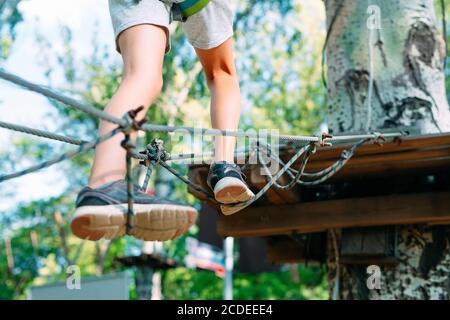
[
  {"x": 378, "y": 138},
  {"x": 127, "y": 144},
  {"x": 131, "y": 123},
  {"x": 312, "y": 148},
  {"x": 155, "y": 153},
  {"x": 346, "y": 155},
  {"x": 324, "y": 140}
]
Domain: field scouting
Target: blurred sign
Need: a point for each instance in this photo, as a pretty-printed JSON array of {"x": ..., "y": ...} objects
[
  {"x": 108, "y": 287},
  {"x": 204, "y": 256}
]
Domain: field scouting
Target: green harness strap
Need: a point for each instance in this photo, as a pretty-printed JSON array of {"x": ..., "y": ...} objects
[
  {"x": 183, "y": 10},
  {"x": 191, "y": 7}
]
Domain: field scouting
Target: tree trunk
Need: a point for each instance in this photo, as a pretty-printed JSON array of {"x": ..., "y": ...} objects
[
  {"x": 408, "y": 90},
  {"x": 408, "y": 55}
]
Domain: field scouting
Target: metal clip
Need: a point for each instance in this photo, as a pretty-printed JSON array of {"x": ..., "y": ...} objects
[
  {"x": 378, "y": 139},
  {"x": 155, "y": 152},
  {"x": 323, "y": 140}
]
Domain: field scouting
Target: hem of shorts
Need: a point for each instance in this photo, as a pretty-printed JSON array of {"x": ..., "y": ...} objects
[
  {"x": 131, "y": 24},
  {"x": 211, "y": 44}
]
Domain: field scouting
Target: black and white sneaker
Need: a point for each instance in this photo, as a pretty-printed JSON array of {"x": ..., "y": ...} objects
[
  {"x": 227, "y": 182},
  {"x": 102, "y": 213}
]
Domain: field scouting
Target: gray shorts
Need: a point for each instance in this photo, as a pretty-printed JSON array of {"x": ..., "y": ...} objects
[{"x": 208, "y": 28}]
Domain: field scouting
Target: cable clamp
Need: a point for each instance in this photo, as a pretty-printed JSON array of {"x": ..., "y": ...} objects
[
  {"x": 323, "y": 140},
  {"x": 155, "y": 153},
  {"x": 378, "y": 138},
  {"x": 131, "y": 124},
  {"x": 345, "y": 155}
]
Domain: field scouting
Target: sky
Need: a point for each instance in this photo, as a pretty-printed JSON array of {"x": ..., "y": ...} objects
[
  {"x": 83, "y": 17},
  {"x": 29, "y": 109}
]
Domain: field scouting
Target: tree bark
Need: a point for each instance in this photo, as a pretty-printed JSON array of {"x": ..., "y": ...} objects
[
  {"x": 408, "y": 91},
  {"x": 408, "y": 60}
]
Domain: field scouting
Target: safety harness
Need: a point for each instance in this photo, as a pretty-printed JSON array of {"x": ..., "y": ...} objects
[{"x": 183, "y": 9}]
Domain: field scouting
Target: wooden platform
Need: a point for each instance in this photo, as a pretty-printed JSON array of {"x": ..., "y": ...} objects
[
  {"x": 423, "y": 153},
  {"x": 372, "y": 167}
]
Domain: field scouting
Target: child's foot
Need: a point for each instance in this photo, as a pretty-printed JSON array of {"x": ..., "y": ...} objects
[
  {"x": 102, "y": 213},
  {"x": 227, "y": 182}
]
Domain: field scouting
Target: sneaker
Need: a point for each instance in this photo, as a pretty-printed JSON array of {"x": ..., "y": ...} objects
[
  {"x": 102, "y": 213},
  {"x": 228, "y": 184}
]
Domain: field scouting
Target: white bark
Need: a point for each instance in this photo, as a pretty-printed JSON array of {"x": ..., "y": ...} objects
[
  {"x": 408, "y": 90},
  {"x": 409, "y": 83}
]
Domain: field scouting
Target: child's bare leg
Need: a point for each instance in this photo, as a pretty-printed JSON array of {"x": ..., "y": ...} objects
[
  {"x": 101, "y": 210},
  {"x": 225, "y": 178},
  {"x": 142, "y": 49},
  {"x": 220, "y": 72}
]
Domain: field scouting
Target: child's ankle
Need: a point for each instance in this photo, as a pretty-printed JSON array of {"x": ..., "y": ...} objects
[{"x": 221, "y": 161}]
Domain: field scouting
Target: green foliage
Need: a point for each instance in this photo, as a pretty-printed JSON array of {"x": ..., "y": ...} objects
[
  {"x": 10, "y": 16},
  {"x": 190, "y": 284},
  {"x": 278, "y": 60},
  {"x": 447, "y": 69}
]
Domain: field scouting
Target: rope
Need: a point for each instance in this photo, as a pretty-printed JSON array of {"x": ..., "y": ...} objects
[
  {"x": 444, "y": 33},
  {"x": 191, "y": 156},
  {"x": 58, "y": 97},
  {"x": 334, "y": 243},
  {"x": 129, "y": 125},
  {"x": 243, "y": 152},
  {"x": 322, "y": 175},
  {"x": 241, "y": 205},
  {"x": 327, "y": 38},
  {"x": 128, "y": 146},
  {"x": 132, "y": 125},
  {"x": 66, "y": 139},
  {"x": 81, "y": 149},
  {"x": 155, "y": 153},
  {"x": 273, "y": 179},
  {"x": 296, "y": 177},
  {"x": 245, "y": 204},
  {"x": 152, "y": 157},
  {"x": 371, "y": 77},
  {"x": 188, "y": 156},
  {"x": 145, "y": 127},
  {"x": 345, "y": 157},
  {"x": 188, "y": 182},
  {"x": 41, "y": 133},
  {"x": 74, "y": 141}
]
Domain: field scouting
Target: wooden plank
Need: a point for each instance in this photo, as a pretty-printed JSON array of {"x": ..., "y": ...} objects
[
  {"x": 258, "y": 181},
  {"x": 393, "y": 168},
  {"x": 310, "y": 248},
  {"x": 406, "y": 144},
  {"x": 388, "y": 164},
  {"x": 198, "y": 176},
  {"x": 399, "y": 145},
  {"x": 334, "y": 214},
  {"x": 375, "y": 245},
  {"x": 439, "y": 223},
  {"x": 424, "y": 154},
  {"x": 275, "y": 196},
  {"x": 374, "y": 159},
  {"x": 285, "y": 250},
  {"x": 430, "y": 151}
]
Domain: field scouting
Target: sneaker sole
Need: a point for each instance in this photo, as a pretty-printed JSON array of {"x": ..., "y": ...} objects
[
  {"x": 150, "y": 222},
  {"x": 232, "y": 190},
  {"x": 228, "y": 211}
]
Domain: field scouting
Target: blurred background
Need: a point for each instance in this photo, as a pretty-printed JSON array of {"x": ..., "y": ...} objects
[{"x": 69, "y": 46}]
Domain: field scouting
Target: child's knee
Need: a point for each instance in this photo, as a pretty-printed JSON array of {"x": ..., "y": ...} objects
[
  {"x": 219, "y": 71},
  {"x": 149, "y": 85}
]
